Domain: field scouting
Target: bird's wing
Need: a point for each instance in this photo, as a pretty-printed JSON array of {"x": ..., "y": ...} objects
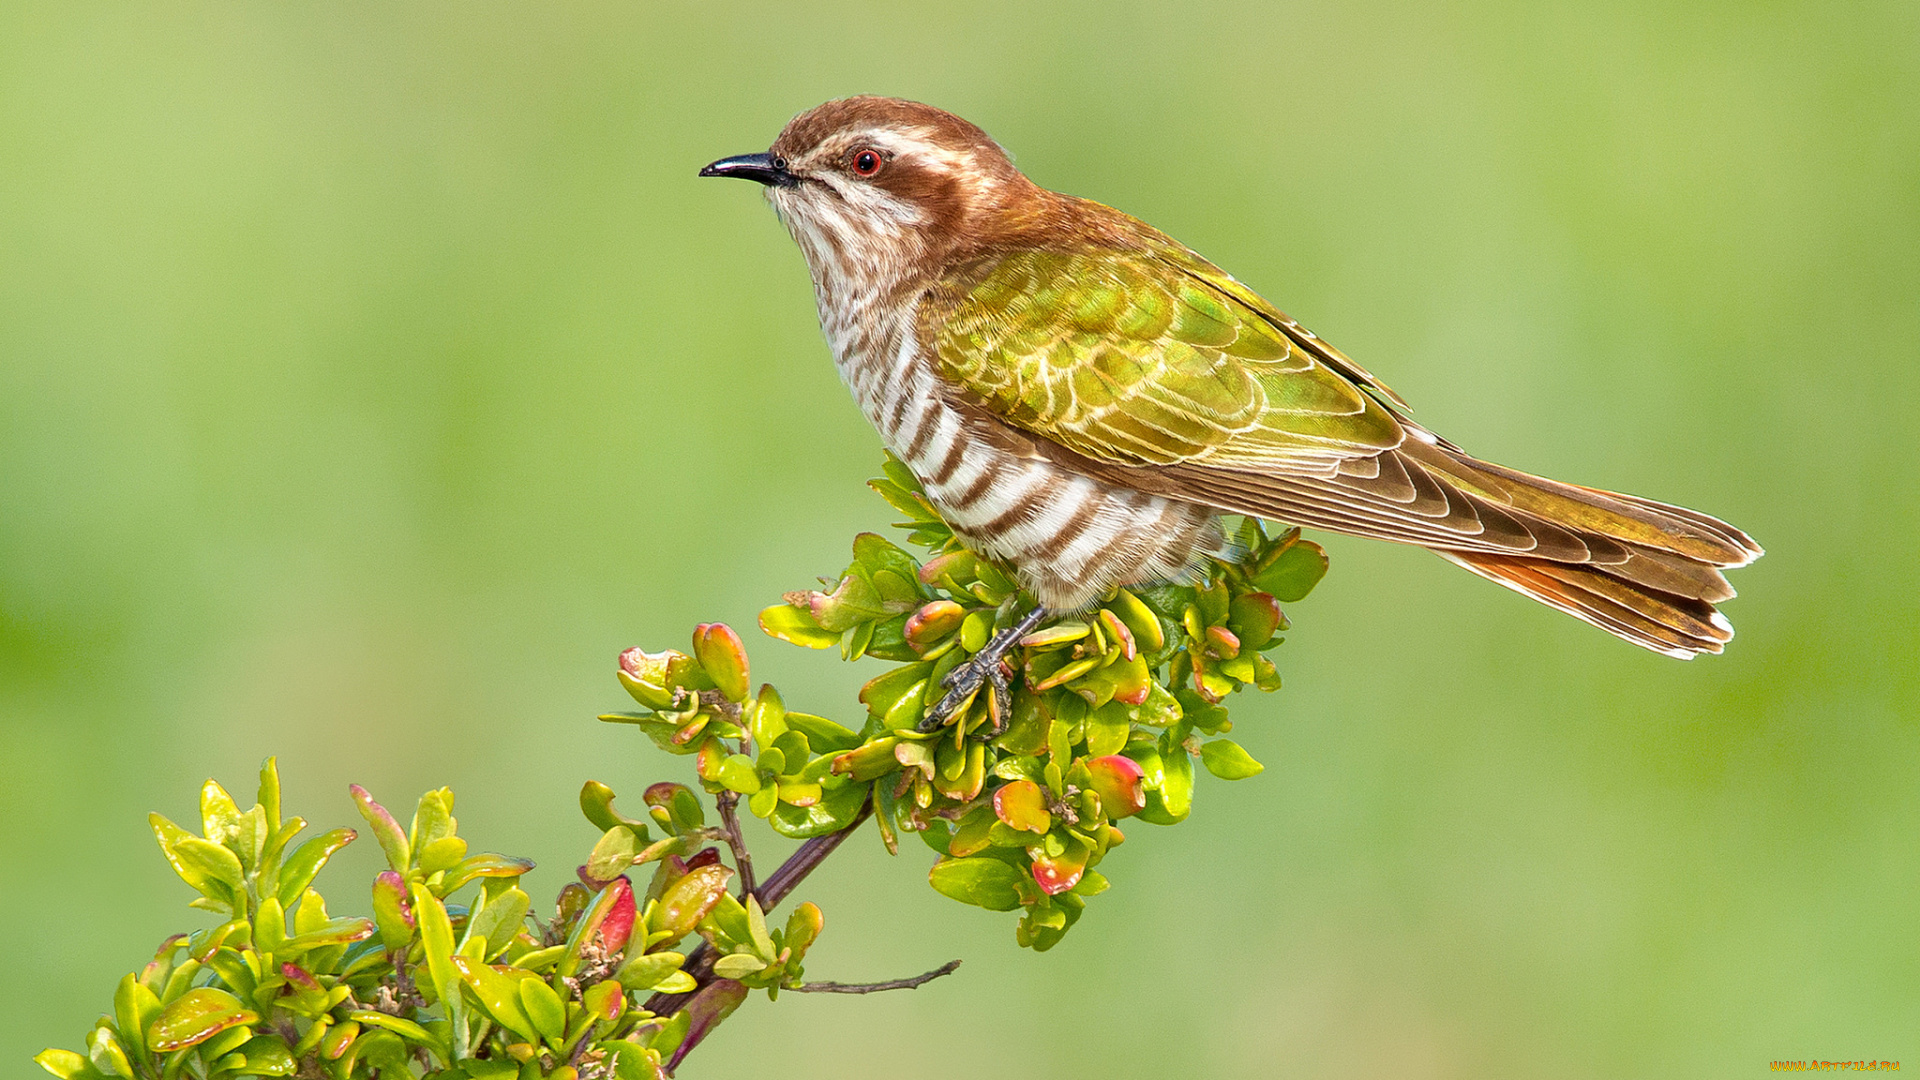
[
  {"x": 1137, "y": 358},
  {"x": 1157, "y": 370},
  {"x": 1151, "y": 368}
]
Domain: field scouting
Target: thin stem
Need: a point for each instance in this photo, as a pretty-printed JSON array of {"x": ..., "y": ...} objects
[
  {"x": 730, "y": 821},
  {"x": 784, "y": 880},
  {"x": 874, "y": 988}
]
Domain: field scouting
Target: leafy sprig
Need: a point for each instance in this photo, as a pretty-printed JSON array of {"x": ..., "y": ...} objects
[{"x": 454, "y": 975}]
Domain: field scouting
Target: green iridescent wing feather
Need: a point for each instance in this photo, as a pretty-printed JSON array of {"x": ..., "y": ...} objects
[{"x": 1148, "y": 357}]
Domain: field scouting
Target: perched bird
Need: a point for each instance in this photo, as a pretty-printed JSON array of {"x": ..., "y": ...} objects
[{"x": 1082, "y": 396}]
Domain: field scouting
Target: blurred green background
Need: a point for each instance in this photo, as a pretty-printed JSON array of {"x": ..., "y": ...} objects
[{"x": 371, "y": 374}]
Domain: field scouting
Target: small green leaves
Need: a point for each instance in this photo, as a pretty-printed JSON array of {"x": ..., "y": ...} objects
[
  {"x": 386, "y": 830},
  {"x": 653, "y": 679},
  {"x": 195, "y": 1017},
  {"x": 1020, "y": 796},
  {"x": 300, "y": 868},
  {"x": 979, "y": 880},
  {"x": 687, "y": 900},
  {"x": 652, "y": 972},
  {"x": 544, "y": 1009},
  {"x": 436, "y": 943},
  {"x": 613, "y": 854},
  {"x": 65, "y": 1064},
  {"x": 724, "y": 657},
  {"x": 1225, "y": 759},
  {"x": 1291, "y": 568},
  {"x": 796, "y": 624},
  {"x": 392, "y": 910}
]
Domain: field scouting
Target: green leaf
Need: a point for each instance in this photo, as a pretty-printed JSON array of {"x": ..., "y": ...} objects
[
  {"x": 500, "y": 920},
  {"x": 432, "y": 819},
  {"x": 134, "y": 1007},
  {"x": 265, "y": 1055},
  {"x": 682, "y": 810},
  {"x": 392, "y": 912},
  {"x": 596, "y": 802},
  {"x": 220, "y": 818},
  {"x": 299, "y": 869},
  {"x": 436, "y": 942},
  {"x": 767, "y": 720},
  {"x": 852, "y": 602},
  {"x": 835, "y": 811},
  {"x": 980, "y": 880},
  {"x": 486, "y": 865},
  {"x": 385, "y": 829},
  {"x": 685, "y": 902},
  {"x": 797, "y": 625},
  {"x": 738, "y": 966},
  {"x": 544, "y": 1008},
  {"x": 442, "y": 854},
  {"x": 613, "y": 854},
  {"x": 764, "y": 802},
  {"x": 1225, "y": 759},
  {"x": 213, "y": 862},
  {"x": 341, "y": 931},
  {"x": 737, "y": 773},
  {"x": 400, "y": 1026},
  {"x": 757, "y": 928},
  {"x": 269, "y": 796},
  {"x": 646, "y": 972},
  {"x": 1294, "y": 572},
  {"x": 824, "y": 735},
  {"x": 196, "y": 1016},
  {"x": 499, "y": 994},
  {"x": 66, "y": 1064},
  {"x": 106, "y": 1053},
  {"x": 1171, "y": 803}
]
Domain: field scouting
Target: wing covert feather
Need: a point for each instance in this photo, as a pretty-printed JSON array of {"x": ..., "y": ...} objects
[{"x": 1127, "y": 358}]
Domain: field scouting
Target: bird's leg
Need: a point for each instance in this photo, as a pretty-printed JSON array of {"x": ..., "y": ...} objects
[{"x": 983, "y": 669}]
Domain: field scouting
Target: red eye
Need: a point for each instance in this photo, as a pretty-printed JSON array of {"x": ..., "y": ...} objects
[{"x": 866, "y": 162}]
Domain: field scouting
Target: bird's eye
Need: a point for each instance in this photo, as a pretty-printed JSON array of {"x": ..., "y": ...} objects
[
  {"x": 866, "y": 161},
  {"x": 780, "y": 163}
]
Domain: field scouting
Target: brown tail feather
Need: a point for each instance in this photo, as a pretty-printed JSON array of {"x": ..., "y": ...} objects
[{"x": 1668, "y": 623}]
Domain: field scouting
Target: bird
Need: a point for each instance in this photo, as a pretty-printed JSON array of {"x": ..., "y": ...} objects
[{"x": 1083, "y": 398}]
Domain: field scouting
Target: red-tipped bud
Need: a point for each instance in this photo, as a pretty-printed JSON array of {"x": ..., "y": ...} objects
[
  {"x": 617, "y": 927},
  {"x": 724, "y": 656},
  {"x": 1022, "y": 805},
  {"x": 932, "y": 623},
  {"x": 1120, "y": 783}
]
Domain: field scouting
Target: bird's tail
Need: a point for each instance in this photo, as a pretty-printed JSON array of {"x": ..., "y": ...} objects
[
  {"x": 1671, "y": 623},
  {"x": 1651, "y": 573},
  {"x": 1645, "y": 571}
]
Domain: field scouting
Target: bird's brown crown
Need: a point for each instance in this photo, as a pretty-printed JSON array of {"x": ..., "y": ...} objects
[{"x": 881, "y": 165}]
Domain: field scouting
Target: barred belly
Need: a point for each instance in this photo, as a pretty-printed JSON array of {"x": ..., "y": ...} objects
[{"x": 1069, "y": 538}]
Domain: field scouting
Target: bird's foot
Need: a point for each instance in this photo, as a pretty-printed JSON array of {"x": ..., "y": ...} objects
[{"x": 986, "y": 668}]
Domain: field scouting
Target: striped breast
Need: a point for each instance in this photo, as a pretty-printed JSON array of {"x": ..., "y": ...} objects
[{"x": 1070, "y": 538}]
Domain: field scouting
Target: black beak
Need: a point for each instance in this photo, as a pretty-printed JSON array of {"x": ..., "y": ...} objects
[{"x": 760, "y": 168}]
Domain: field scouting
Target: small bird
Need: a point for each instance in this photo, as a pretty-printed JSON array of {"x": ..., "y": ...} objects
[{"x": 1083, "y": 397}]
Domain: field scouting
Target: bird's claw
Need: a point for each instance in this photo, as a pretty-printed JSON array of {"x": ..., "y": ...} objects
[{"x": 963, "y": 683}]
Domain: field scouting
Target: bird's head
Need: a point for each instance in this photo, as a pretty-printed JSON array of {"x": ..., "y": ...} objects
[{"x": 875, "y": 187}]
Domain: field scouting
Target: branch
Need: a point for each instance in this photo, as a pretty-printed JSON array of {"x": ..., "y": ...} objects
[
  {"x": 874, "y": 988},
  {"x": 730, "y": 821},
  {"x": 784, "y": 880}
]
